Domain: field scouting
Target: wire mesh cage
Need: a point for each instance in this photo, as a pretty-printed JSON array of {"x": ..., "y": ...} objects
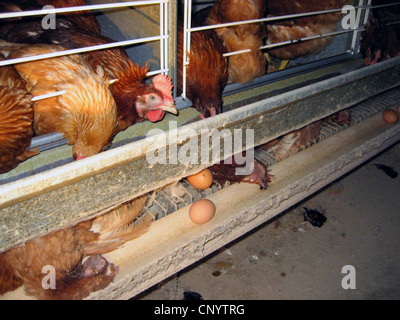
[
  {"x": 148, "y": 31},
  {"x": 289, "y": 93}
]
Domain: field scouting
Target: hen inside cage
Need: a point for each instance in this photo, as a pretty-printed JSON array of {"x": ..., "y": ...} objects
[
  {"x": 241, "y": 63},
  {"x": 290, "y": 46},
  {"x": 168, "y": 64}
]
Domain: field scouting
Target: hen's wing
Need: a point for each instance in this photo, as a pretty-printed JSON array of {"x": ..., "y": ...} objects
[
  {"x": 64, "y": 250},
  {"x": 86, "y": 114},
  {"x": 246, "y": 66},
  {"x": 9, "y": 281},
  {"x": 16, "y": 120},
  {"x": 295, "y": 141},
  {"x": 117, "y": 227}
]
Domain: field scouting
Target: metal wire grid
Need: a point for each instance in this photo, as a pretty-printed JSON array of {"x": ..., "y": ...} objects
[
  {"x": 163, "y": 37},
  {"x": 364, "y": 5}
]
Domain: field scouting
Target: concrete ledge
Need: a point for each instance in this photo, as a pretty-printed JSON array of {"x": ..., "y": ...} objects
[{"x": 174, "y": 242}]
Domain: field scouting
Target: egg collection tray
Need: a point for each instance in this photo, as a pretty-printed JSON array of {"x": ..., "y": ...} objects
[
  {"x": 30, "y": 206},
  {"x": 179, "y": 194}
]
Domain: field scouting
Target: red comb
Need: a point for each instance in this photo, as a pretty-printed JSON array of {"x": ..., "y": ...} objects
[{"x": 163, "y": 84}]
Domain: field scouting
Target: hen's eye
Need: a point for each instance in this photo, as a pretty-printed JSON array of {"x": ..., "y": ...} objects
[{"x": 152, "y": 97}]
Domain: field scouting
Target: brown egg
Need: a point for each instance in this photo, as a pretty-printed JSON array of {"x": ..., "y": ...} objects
[
  {"x": 389, "y": 116},
  {"x": 202, "y": 211},
  {"x": 202, "y": 180}
]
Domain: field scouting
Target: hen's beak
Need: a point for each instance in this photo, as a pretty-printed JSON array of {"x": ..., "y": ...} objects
[
  {"x": 170, "y": 107},
  {"x": 79, "y": 157}
]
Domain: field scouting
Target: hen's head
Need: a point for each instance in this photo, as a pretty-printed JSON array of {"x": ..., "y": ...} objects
[
  {"x": 208, "y": 106},
  {"x": 89, "y": 117},
  {"x": 137, "y": 100},
  {"x": 207, "y": 72},
  {"x": 156, "y": 99},
  {"x": 205, "y": 92},
  {"x": 91, "y": 142}
]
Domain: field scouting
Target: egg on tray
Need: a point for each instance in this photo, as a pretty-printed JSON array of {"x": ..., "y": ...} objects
[
  {"x": 202, "y": 180},
  {"x": 389, "y": 116},
  {"x": 202, "y": 211}
]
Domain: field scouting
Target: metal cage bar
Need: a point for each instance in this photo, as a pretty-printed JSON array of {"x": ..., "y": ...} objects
[
  {"x": 163, "y": 37},
  {"x": 58, "y": 198},
  {"x": 354, "y": 43},
  {"x": 79, "y": 8},
  {"x": 91, "y": 186},
  {"x": 187, "y": 24}
]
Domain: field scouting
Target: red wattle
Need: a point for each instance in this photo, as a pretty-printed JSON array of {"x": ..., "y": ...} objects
[{"x": 155, "y": 115}]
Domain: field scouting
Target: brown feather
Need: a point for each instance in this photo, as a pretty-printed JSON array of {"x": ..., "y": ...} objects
[
  {"x": 131, "y": 92},
  {"x": 118, "y": 226},
  {"x": 66, "y": 250},
  {"x": 207, "y": 73},
  {"x": 84, "y": 20},
  {"x": 86, "y": 114},
  {"x": 226, "y": 170},
  {"x": 16, "y": 120},
  {"x": 296, "y": 28},
  {"x": 243, "y": 67}
]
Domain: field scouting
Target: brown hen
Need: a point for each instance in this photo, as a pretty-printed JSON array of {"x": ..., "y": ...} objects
[
  {"x": 207, "y": 72},
  {"x": 136, "y": 100},
  {"x": 86, "y": 114},
  {"x": 244, "y": 67},
  {"x": 381, "y": 38},
  {"x": 296, "y": 28},
  {"x": 16, "y": 119},
  {"x": 65, "y": 251}
]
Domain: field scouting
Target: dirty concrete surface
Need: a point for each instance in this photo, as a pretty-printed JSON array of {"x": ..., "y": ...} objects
[{"x": 289, "y": 258}]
